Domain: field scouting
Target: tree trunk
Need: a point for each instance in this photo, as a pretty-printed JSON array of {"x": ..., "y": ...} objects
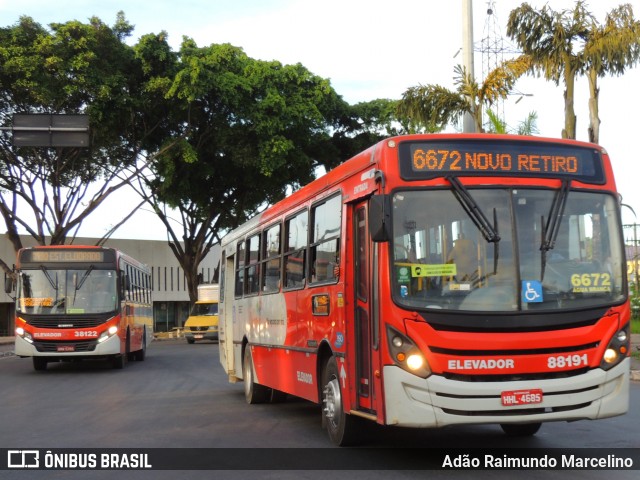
[
  {"x": 594, "y": 116},
  {"x": 569, "y": 112}
]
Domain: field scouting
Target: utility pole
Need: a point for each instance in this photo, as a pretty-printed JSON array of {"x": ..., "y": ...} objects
[{"x": 468, "y": 123}]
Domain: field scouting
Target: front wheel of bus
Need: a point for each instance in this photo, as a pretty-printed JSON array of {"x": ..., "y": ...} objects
[
  {"x": 39, "y": 363},
  {"x": 340, "y": 426},
  {"x": 118, "y": 361},
  {"x": 253, "y": 392},
  {"x": 520, "y": 429}
]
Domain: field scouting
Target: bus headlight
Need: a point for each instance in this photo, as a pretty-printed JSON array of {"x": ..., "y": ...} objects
[
  {"x": 406, "y": 354},
  {"x": 106, "y": 335},
  {"x": 617, "y": 350},
  {"x": 22, "y": 333},
  {"x": 415, "y": 362}
]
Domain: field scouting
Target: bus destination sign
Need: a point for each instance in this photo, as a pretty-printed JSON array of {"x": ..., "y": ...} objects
[
  {"x": 419, "y": 160},
  {"x": 64, "y": 256}
]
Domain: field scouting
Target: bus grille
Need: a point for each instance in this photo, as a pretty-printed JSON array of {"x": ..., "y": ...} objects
[
  {"x": 523, "y": 411},
  {"x": 516, "y": 377},
  {"x": 49, "y": 347},
  {"x": 66, "y": 322}
]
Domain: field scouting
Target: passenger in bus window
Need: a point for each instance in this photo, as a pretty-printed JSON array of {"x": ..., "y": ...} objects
[{"x": 463, "y": 255}]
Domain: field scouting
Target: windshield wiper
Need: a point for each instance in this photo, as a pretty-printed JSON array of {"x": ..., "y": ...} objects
[
  {"x": 489, "y": 232},
  {"x": 59, "y": 301},
  {"x": 81, "y": 282},
  {"x": 551, "y": 228},
  {"x": 84, "y": 278},
  {"x": 552, "y": 225},
  {"x": 53, "y": 284}
]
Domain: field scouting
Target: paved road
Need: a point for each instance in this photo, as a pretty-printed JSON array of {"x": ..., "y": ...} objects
[{"x": 179, "y": 398}]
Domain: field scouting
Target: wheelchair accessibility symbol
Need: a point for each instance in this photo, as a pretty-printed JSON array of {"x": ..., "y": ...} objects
[{"x": 531, "y": 291}]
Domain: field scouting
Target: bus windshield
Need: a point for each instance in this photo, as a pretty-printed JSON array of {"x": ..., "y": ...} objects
[
  {"x": 57, "y": 291},
  {"x": 442, "y": 259}
]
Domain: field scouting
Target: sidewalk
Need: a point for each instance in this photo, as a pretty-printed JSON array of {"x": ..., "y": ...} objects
[{"x": 635, "y": 347}]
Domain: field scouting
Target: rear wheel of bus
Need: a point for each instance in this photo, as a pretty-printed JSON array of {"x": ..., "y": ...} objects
[
  {"x": 341, "y": 427},
  {"x": 140, "y": 355}
]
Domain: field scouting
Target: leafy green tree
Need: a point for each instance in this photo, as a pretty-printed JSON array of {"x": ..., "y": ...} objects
[
  {"x": 243, "y": 131},
  {"x": 364, "y": 124},
  {"x": 71, "y": 68},
  {"x": 206, "y": 135},
  {"x": 434, "y": 106}
]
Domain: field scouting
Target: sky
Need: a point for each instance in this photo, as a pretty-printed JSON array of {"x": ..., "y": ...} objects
[{"x": 369, "y": 49}]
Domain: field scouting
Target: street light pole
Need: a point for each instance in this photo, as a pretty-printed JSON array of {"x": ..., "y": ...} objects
[{"x": 468, "y": 123}]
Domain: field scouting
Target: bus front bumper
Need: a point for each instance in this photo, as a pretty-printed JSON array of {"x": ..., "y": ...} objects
[
  {"x": 23, "y": 348},
  {"x": 436, "y": 401}
]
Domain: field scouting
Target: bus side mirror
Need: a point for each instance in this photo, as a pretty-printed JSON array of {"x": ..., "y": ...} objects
[
  {"x": 9, "y": 284},
  {"x": 380, "y": 218}
]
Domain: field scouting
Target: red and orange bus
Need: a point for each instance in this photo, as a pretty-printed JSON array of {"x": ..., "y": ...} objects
[
  {"x": 76, "y": 302},
  {"x": 437, "y": 280}
]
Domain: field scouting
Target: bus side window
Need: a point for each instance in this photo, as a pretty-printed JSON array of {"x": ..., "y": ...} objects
[
  {"x": 252, "y": 275},
  {"x": 240, "y": 260},
  {"x": 295, "y": 250},
  {"x": 270, "y": 266},
  {"x": 325, "y": 239}
]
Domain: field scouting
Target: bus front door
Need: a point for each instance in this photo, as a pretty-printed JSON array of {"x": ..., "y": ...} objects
[
  {"x": 362, "y": 315},
  {"x": 226, "y": 343}
]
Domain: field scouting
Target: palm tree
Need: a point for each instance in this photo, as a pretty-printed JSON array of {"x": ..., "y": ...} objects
[
  {"x": 436, "y": 105},
  {"x": 565, "y": 44},
  {"x": 526, "y": 127},
  {"x": 610, "y": 48},
  {"x": 551, "y": 38}
]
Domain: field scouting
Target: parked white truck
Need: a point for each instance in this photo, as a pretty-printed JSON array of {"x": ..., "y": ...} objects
[{"x": 202, "y": 323}]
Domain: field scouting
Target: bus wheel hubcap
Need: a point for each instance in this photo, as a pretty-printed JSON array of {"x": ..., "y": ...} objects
[{"x": 332, "y": 400}]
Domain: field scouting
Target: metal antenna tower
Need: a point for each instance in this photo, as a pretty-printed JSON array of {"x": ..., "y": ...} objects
[{"x": 493, "y": 48}]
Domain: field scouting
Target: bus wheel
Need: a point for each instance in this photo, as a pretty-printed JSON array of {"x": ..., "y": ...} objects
[
  {"x": 520, "y": 429},
  {"x": 341, "y": 427},
  {"x": 118, "y": 361},
  {"x": 253, "y": 392},
  {"x": 141, "y": 354},
  {"x": 277, "y": 396},
  {"x": 39, "y": 363}
]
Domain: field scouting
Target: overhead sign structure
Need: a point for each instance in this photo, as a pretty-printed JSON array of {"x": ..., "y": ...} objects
[{"x": 50, "y": 130}]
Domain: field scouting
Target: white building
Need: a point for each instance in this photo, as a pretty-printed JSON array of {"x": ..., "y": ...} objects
[{"x": 170, "y": 296}]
